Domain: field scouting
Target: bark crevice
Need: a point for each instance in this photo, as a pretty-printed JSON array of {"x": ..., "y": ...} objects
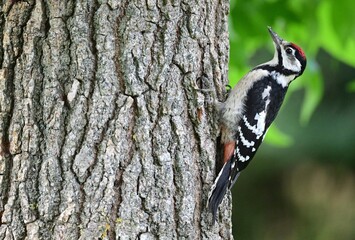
[{"x": 107, "y": 120}]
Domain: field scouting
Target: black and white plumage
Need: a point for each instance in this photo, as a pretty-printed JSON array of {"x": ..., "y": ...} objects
[{"x": 250, "y": 109}]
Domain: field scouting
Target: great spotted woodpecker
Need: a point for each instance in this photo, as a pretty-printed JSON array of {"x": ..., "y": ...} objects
[{"x": 249, "y": 110}]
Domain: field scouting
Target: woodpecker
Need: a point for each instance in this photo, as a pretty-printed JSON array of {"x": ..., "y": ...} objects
[{"x": 249, "y": 110}]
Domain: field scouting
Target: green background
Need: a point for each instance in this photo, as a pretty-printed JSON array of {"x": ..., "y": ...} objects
[{"x": 301, "y": 184}]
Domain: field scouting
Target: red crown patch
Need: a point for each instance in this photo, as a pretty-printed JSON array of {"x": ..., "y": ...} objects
[{"x": 299, "y": 50}]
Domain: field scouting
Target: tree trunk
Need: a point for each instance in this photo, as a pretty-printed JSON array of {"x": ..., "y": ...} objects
[{"x": 104, "y": 131}]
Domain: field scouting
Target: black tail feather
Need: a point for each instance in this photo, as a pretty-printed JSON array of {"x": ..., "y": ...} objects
[{"x": 219, "y": 189}]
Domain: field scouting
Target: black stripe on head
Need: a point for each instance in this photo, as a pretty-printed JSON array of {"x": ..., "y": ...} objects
[
  {"x": 279, "y": 57},
  {"x": 278, "y": 68}
]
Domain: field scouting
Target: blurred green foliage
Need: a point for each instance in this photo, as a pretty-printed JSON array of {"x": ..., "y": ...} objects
[
  {"x": 314, "y": 25},
  {"x": 302, "y": 184}
]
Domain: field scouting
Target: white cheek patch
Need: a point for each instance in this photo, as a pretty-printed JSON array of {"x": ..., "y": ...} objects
[{"x": 290, "y": 64}]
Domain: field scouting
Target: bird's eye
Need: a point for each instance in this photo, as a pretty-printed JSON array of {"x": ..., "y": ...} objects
[{"x": 289, "y": 50}]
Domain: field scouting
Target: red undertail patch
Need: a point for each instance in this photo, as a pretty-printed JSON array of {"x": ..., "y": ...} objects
[{"x": 228, "y": 151}]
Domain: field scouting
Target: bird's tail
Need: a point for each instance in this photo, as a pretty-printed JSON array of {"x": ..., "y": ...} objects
[{"x": 224, "y": 181}]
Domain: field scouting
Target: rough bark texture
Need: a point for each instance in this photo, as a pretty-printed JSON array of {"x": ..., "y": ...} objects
[{"x": 104, "y": 133}]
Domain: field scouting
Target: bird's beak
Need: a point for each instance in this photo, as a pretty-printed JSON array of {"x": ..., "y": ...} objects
[{"x": 277, "y": 40}]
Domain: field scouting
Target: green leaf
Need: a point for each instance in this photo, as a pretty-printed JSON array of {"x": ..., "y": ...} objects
[
  {"x": 351, "y": 86},
  {"x": 337, "y": 41},
  {"x": 276, "y": 137},
  {"x": 235, "y": 74},
  {"x": 314, "y": 88}
]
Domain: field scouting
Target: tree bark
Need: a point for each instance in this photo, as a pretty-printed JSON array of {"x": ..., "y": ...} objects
[{"x": 105, "y": 131}]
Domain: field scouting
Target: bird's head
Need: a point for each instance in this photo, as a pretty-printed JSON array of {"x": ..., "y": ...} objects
[{"x": 289, "y": 57}]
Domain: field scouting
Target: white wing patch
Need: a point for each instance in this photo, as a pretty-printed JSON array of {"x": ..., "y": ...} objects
[
  {"x": 260, "y": 123},
  {"x": 258, "y": 129},
  {"x": 245, "y": 142},
  {"x": 266, "y": 92},
  {"x": 240, "y": 157},
  {"x": 253, "y": 128}
]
